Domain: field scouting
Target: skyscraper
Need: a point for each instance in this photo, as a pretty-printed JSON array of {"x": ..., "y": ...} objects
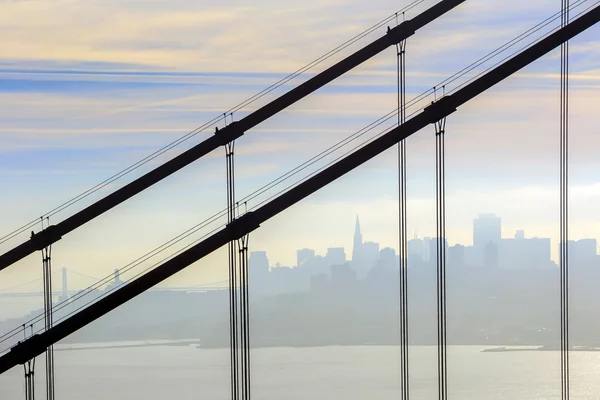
[
  {"x": 416, "y": 251},
  {"x": 304, "y": 256},
  {"x": 335, "y": 256},
  {"x": 258, "y": 271},
  {"x": 369, "y": 255},
  {"x": 486, "y": 239},
  {"x": 258, "y": 263},
  {"x": 456, "y": 256},
  {"x": 582, "y": 253},
  {"x": 432, "y": 245},
  {"x": 356, "y": 249},
  {"x": 387, "y": 258}
]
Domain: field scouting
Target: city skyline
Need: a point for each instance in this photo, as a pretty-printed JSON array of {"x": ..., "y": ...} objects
[
  {"x": 345, "y": 254},
  {"x": 480, "y": 233}
]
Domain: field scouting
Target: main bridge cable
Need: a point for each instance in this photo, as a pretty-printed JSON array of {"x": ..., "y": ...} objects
[
  {"x": 414, "y": 102},
  {"x": 227, "y": 134},
  {"x": 498, "y": 50},
  {"x": 211, "y": 122},
  {"x": 564, "y": 207},
  {"x": 250, "y": 221},
  {"x": 194, "y": 132}
]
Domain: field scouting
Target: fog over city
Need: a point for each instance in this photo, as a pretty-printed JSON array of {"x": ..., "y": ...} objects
[{"x": 500, "y": 291}]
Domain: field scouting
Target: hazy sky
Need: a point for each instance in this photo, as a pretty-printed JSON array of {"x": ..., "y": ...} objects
[{"x": 89, "y": 87}]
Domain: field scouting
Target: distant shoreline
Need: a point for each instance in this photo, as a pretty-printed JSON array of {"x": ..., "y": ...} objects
[
  {"x": 539, "y": 348},
  {"x": 105, "y": 346},
  {"x": 197, "y": 344}
]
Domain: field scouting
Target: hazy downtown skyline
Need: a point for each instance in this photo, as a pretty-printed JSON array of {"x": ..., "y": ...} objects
[{"x": 120, "y": 79}]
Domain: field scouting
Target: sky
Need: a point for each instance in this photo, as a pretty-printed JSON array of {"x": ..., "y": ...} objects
[{"x": 88, "y": 88}]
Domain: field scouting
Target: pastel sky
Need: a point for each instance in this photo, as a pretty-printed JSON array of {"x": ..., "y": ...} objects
[{"x": 89, "y": 87}]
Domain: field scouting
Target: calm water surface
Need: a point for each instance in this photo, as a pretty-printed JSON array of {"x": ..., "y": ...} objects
[{"x": 184, "y": 372}]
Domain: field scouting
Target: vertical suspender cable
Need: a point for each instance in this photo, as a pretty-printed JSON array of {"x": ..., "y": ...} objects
[
  {"x": 564, "y": 210},
  {"x": 245, "y": 315},
  {"x": 48, "y": 315},
  {"x": 29, "y": 370},
  {"x": 403, "y": 244},
  {"x": 239, "y": 313},
  {"x": 440, "y": 127},
  {"x": 233, "y": 333}
]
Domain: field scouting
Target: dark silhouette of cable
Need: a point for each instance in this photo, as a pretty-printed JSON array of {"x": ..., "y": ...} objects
[
  {"x": 26, "y": 227},
  {"x": 114, "y": 288},
  {"x": 108, "y": 278},
  {"x": 210, "y": 123},
  {"x": 328, "y": 55},
  {"x": 413, "y": 103},
  {"x": 184, "y": 235},
  {"x": 521, "y": 37}
]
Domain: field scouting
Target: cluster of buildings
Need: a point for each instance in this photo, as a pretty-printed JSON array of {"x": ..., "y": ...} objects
[{"x": 336, "y": 269}]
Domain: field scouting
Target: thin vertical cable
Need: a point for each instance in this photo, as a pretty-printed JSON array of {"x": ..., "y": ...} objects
[
  {"x": 233, "y": 314},
  {"x": 239, "y": 309},
  {"x": 564, "y": 209},
  {"x": 245, "y": 315},
  {"x": 29, "y": 370},
  {"x": 440, "y": 158},
  {"x": 402, "y": 236},
  {"x": 48, "y": 313}
]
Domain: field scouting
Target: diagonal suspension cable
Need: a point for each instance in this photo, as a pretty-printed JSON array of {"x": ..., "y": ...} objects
[{"x": 26, "y": 227}]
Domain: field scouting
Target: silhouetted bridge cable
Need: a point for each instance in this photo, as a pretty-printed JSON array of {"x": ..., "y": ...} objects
[
  {"x": 252, "y": 220},
  {"x": 226, "y": 135},
  {"x": 412, "y": 104},
  {"x": 182, "y": 139}
]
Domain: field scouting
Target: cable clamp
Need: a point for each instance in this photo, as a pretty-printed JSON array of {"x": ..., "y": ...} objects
[
  {"x": 28, "y": 349},
  {"x": 243, "y": 225},
  {"x": 440, "y": 109},
  {"x": 229, "y": 133},
  {"x": 401, "y": 32},
  {"x": 45, "y": 238}
]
